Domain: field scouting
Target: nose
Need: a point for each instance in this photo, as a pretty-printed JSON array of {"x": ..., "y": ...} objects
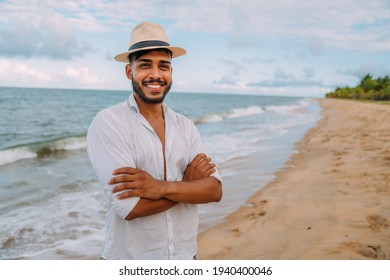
[{"x": 155, "y": 72}]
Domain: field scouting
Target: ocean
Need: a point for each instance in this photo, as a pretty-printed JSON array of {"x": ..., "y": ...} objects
[{"x": 51, "y": 205}]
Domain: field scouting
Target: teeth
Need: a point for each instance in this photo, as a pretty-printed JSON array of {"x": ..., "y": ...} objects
[{"x": 154, "y": 86}]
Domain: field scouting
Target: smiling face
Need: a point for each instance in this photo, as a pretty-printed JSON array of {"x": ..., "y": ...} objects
[{"x": 151, "y": 75}]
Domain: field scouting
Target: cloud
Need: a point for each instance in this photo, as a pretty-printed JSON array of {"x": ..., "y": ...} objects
[
  {"x": 317, "y": 24},
  {"x": 79, "y": 75},
  {"x": 58, "y": 39},
  {"x": 260, "y": 60},
  {"x": 235, "y": 70},
  {"x": 45, "y": 34},
  {"x": 315, "y": 45},
  {"x": 278, "y": 80},
  {"x": 281, "y": 79},
  {"x": 254, "y": 36},
  {"x": 374, "y": 68},
  {"x": 106, "y": 16},
  {"x": 280, "y": 74},
  {"x": 309, "y": 72},
  {"x": 287, "y": 83},
  {"x": 14, "y": 72}
]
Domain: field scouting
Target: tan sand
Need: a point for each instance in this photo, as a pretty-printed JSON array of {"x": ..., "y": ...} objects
[{"x": 332, "y": 203}]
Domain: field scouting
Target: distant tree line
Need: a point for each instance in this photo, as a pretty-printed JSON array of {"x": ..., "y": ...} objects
[{"x": 369, "y": 88}]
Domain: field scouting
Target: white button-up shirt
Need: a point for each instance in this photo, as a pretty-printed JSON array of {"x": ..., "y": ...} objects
[{"x": 120, "y": 136}]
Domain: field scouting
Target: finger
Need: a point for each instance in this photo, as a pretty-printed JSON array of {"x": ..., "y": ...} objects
[
  {"x": 124, "y": 187},
  {"x": 203, "y": 167},
  {"x": 122, "y": 179},
  {"x": 209, "y": 172},
  {"x": 126, "y": 195},
  {"x": 125, "y": 170},
  {"x": 210, "y": 166},
  {"x": 199, "y": 157},
  {"x": 204, "y": 162}
]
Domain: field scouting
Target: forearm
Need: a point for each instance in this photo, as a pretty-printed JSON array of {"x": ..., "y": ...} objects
[
  {"x": 146, "y": 207},
  {"x": 196, "y": 192},
  {"x": 158, "y": 195}
]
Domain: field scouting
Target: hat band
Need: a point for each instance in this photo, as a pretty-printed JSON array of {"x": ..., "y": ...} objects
[{"x": 150, "y": 43}]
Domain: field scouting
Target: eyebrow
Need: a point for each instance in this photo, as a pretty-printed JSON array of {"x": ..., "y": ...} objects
[{"x": 149, "y": 60}]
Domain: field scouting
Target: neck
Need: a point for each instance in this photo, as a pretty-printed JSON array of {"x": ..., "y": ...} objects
[{"x": 149, "y": 110}]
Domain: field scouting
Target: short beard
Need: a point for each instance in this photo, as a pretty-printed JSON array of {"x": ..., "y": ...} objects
[{"x": 138, "y": 90}]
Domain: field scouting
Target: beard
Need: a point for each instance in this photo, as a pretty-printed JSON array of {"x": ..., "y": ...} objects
[{"x": 157, "y": 100}]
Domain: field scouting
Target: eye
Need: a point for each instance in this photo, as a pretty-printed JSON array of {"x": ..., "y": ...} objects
[
  {"x": 165, "y": 67},
  {"x": 144, "y": 65}
]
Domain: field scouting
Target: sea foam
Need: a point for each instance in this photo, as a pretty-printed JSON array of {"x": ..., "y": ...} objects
[
  {"x": 41, "y": 149},
  {"x": 231, "y": 114}
]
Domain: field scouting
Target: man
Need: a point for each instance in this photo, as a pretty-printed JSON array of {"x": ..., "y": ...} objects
[{"x": 150, "y": 160}]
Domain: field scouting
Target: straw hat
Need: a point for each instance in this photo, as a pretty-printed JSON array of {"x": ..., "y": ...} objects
[{"x": 148, "y": 36}]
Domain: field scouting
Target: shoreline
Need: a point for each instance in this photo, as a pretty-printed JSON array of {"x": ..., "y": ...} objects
[
  {"x": 330, "y": 201},
  {"x": 249, "y": 172}
]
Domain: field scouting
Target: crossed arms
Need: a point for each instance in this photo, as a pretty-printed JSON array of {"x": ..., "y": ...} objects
[{"x": 157, "y": 196}]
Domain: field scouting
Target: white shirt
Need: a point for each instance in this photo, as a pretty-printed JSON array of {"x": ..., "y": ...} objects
[{"x": 120, "y": 136}]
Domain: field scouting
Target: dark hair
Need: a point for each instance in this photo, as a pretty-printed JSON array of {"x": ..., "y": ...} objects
[{"x": 138, "y": 54}]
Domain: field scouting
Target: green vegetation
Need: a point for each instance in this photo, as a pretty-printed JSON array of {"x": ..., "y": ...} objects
[{"x": 368, "y": 89}]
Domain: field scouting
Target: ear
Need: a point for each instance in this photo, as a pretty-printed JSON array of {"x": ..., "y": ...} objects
[{"x": 129, "y": 71}]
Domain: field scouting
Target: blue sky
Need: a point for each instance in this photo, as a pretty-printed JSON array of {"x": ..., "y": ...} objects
[{"x": 271, "y": 47}]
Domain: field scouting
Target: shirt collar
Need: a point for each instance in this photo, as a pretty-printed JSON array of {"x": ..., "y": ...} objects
[
  {"x": 132, "y": 103},
  {"x": 134, "y": 106}
]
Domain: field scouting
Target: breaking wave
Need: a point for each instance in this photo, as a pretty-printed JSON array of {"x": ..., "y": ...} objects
[
  {"x": 41, "y": 149},
  {"x": 234, "y": 113},
  {"x": 286, "y": 109},
  {"x": 251, "y": 110}
]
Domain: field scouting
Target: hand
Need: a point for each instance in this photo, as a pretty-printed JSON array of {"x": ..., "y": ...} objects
[
  {"x": 199, "y": 168},
  {"x": 135, "y": 182}
]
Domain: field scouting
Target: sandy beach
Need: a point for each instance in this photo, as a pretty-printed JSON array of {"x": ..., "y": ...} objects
[{"x": 331, "y": 201}]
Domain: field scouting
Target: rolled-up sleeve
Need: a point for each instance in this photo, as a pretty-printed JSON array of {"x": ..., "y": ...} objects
[{"x": 108, "y": 149}]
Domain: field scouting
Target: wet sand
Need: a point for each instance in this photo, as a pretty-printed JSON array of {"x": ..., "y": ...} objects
[{"x": 332, "y": 201}]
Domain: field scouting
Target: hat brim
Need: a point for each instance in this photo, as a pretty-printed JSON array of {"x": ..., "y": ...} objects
[{"x": 176, "y": 51}]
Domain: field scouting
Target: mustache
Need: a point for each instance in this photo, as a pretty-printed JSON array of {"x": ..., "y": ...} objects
[{"x": 152, "y": 81}]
